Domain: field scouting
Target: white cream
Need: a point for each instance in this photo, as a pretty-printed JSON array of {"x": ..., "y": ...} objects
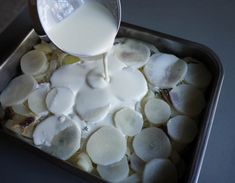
[
  {"x": 36, "y": 100},
  {"x": 128, "y": 84},
  {"x": 58, "y": 136},
  {"x": 88, "y": 31},
  {"x": 70, "y": 76},
  {"x": 98, "y": 100},
  {"x": 60, "y": 100},
  {"x": 93, "y": 104},
  {"x": 96, "y": 79}
]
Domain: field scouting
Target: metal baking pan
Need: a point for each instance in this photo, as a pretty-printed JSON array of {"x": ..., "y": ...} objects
[{"x": 165, "y": 43}]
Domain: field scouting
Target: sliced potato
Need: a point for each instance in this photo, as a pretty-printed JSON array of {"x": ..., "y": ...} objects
[
  {"x": 182, "y": 129},
  {"x": 58, "y": 136},
  {"x": 69, "y": 76},
  {"x": 187, "y": 99},
  {"x": 93, "y": 105},
  {"x": 151, "y": 47},
  {"x": 60, "y": 100},
  {"x": 157, "y": 111},
  {"x": 13, "y": 126},
  {"x": 34, "y": 62},
  {"x": 37, "y": 101},
  {"x": 136, "y": 163},
  {"x": 148, "y": 96},
  {"x": 128, "y": 85},
  {"x": 165, "y": 70},
  {"x": 128, "y": 121},
  {"x": 18, "y": 90},
  {"x": 160, "y": 171},
  {"x": 41, "y": 78},
  {"x": 52, "y": 67},
  {"x": 197, "y": 74},
  {"x": 106, "y": 146},
  {"x": 28, "y": 131},
  {"x": 174, "y": 112},
  {"x": 84, "y": 162},
  {"x": 115, "y": 172},
  {"x": 152, "y": 143},
  {"x": 44, "y": 47},
  {"x": 133, "y": 53},
  {"x": 22, "y": 109}
]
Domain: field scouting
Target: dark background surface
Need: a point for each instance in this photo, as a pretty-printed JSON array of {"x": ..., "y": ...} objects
[{"x": 210, "y": 22}]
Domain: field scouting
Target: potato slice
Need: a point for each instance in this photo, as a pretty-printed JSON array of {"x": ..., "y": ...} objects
[
  {"x": 150, "y": 94},
  {"x": 18, "y": 90},
  {"x": 71, "y": 76},
  {"x": 13, "y": 126},
  {"x": 160, "y": 171},
  {"x": 128, "y": 85},
  {"x": 165, "y": 70},
  {"x": 187, "y": 99},
  {"x": 34, "y": 62},
  {"x": 93, "y": 105},
  {"x": 151, "y": 47},
  {"x": 128, "y": 121},
  {"x": 22, "y": 109},
  {"x": 115, "y": 172},
  {"x": 52, "y": 67},
  {"x": 182, "y": 129},
  {"x": 157, "y": 111},
  {"x": 197, "y": 75},
  {"x": 58, "y": 136},
  {"x": 151, "y": 143},
  {"x": 37, "y": 101},
  {"x": 132, "y": 52},
  {"x": 106, "y": 146},
  {"x": 60, "y": 100},
  {"x": 136, "y": 163},
  {"x": 84, "y": 162}
]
